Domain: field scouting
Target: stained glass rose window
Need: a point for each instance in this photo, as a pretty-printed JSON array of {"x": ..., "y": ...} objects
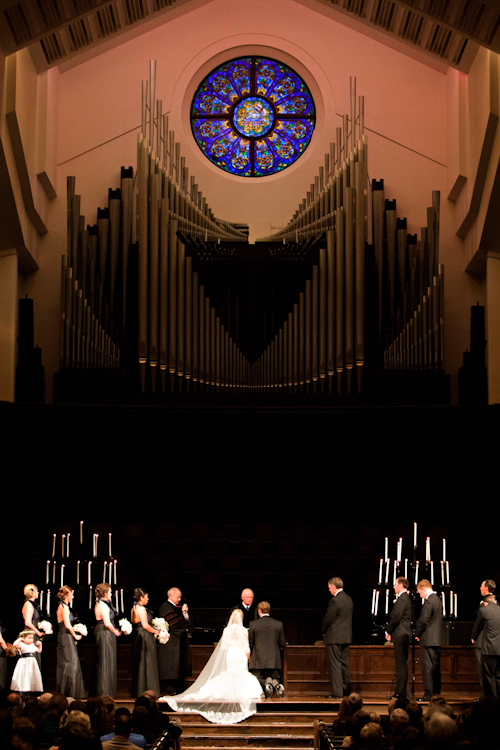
[{"x": 253, "y": 116}]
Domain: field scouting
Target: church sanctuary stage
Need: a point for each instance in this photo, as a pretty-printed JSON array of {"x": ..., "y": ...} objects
[{"x": 305, "y": 677}]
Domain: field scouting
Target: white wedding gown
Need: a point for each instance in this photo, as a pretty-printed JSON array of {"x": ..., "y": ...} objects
[{"x": 225, "y": 691}]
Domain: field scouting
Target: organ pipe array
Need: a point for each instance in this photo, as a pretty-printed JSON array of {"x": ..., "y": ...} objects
[
  {"x": 324, "y": 334},
  {"x": 179, "y": 330}
]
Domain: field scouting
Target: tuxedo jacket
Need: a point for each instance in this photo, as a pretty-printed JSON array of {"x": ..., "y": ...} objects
[
  {"x": 265, "y": 636},
  {"x": 430, "y": 622},
  {"x": 488, "y": 623},
  {"x": 248, "y": 614},
  {"x": 399, "y": 627},
  {"x": 337, "y": 622}
]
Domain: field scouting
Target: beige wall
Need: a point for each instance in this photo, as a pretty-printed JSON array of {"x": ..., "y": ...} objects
[{"x": 94, "y": 115}]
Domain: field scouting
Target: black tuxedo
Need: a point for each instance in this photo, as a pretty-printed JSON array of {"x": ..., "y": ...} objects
[
  {"x": 399, "y": 628},
  {"x": 337, "y": 637},
  {"x": 489, "y": 626},
  {"x": 478, "y": 643},
  {"x": 248, "y": 614},
  {"x": 173, "y": 657},
  {"x": 266, "y": 636},
  {"x": 429, "y": 627}
]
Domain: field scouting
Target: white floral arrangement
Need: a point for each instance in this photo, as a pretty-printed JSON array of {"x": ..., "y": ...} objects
[
  {"x": 80, "y": 628},
  {"x": 125, "y": 626},
  {"x": 159, "y": 623},
  {"x": 46, "y": 627}
]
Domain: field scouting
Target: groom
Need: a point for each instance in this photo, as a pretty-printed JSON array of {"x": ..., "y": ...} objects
[{"x": 266, "y": 636}]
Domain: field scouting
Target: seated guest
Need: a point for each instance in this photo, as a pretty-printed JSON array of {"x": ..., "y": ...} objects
[
  {"x": 133, "y": 739},
  {"x": 399, "y": 722},
  {"x": 23, "y": 733},
  {"x": 157, "y": 718},
  {"x": 141, "y": 724},
  {"x": 76, "y": 737},
  {"x": 78, "y": 717},
  {"x": 99, "y": 717},
  {"x": 121, "y": 738},
  {"x": 441, "y": 731},
  {"x": 414, "y": 711},
  {"x": 348, "y": 707},
  {"x": 44, "y": 700},
  {"x": 354, "y": 725},
  {"x": 372, "y": 737}
]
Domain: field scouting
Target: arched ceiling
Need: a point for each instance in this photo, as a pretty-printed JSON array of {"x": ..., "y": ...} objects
[{"x": 55, "y": 31}]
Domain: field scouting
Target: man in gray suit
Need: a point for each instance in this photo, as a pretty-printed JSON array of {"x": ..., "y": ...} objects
[
  {"x": 399, "y": 633},
  {"x": 266, "y": 637},
  {"x": 487, "y": 587},
  {"x": 428, "y": 632},
  {"x": 489, "y": 626},
  {"x": 337, "y": 637}
]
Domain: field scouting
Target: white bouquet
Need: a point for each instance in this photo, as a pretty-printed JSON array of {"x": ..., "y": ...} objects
[
  {"x": 125, "y": 626},
  {"x": 159, "y": 623},
  {"x": 80, "y": 628},
  {"x": 46, "y": 627}
]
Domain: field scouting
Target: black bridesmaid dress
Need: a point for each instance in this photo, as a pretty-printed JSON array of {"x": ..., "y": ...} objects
[
  {"x": 144, "y": 660},
  {"x": 3, "y": 665},
  {"x": 35, "y": 619},
  {"x": 69, "y": 678},
  {"x": 104, "y": 679}
]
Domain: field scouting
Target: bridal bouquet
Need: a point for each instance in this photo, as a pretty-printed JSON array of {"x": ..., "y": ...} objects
[
  {"x": 125, "y": 626},
  {"x": 80, "y": 628},
  {"x": 46, "y": 627},
  {"x": 162, "y": 625}
]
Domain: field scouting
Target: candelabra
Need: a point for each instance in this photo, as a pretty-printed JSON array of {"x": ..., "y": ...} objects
[{"x": 71, "y": 564}]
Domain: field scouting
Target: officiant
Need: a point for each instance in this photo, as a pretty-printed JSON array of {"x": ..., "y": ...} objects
[{"x": 173, "y": 657}]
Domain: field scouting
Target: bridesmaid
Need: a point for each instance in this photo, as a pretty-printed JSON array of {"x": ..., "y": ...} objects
[
  {"x": 32, "y": 615},
  {"x": 144, "y": 659},
  {"x": 3, "y": 662},
  {"x": 69, "y": 678},
  {"x": 105, "y": 633}
]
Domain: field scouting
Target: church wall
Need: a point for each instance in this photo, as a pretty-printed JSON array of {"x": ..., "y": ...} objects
[{"x": 405, "y": 118}]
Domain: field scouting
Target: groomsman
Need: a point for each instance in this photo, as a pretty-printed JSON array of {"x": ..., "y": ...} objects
[
  {"x": 337, "y": 637},
  {"x": 489, "y": 625},
  {"x": 428, "y": 632},
  {"x": 487, "y": 587},
  {"x": 399, "y": 633}
]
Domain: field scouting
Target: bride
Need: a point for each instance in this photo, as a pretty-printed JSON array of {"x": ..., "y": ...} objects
[{"x": 225, "y": 691}]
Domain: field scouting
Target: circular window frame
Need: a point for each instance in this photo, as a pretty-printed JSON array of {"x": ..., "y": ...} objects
[{"x": 255, "y": 57}]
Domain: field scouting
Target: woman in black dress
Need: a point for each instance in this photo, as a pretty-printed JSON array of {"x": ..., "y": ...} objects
[
  {"x": 32, "y": 615},
  {"x": 3, "y": 662},
  {"x": 69, "y": 678},
  {"x": 144, "y": 659},
  {"x": 105, "y": 633}
]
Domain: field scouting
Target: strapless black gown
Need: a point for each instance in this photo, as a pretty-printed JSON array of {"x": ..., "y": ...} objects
[
  {"x": 69, "y": 678},
  {"x": 144, "y": 661},
  {"x": 104, "y": 670}
]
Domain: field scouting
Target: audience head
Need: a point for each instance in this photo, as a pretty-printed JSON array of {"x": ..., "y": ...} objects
[
  {"x": 151, "y": 695},
  {"x": 399, "y": 721},
  {"x": 78, "y": 717},
  {"x": 58, "y": 703},
  {"x": 374, "y": 717},
  {"x": 109, "y": 703},
  {"x": 140, "y": 716},
  {"x": 355, "y": 724},
  {"x": 44, "y": 700},
  {"x": 77, "y": 737},
  {"x": 414, "y": 711},
  {"x": 371, "y": 734},
  {"x": 440, "y": 731},
  {"x": 23, "y": 733},
  {"x": 350, "y": 704},
  {"x": 123, "y": 724}
]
